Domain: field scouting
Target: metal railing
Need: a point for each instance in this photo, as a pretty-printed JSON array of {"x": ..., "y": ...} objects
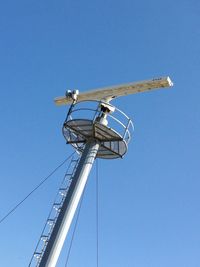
[{"x": 118, "y": 120}]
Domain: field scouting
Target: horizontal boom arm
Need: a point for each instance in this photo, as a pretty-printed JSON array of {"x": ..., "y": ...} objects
[{"x": 109, "y": 93}]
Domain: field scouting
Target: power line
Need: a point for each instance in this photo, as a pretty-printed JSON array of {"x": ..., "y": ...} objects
[
  {"x": 41, "y": 183},
  {"x": 97, "y": 210},
  {"x": 74, "y": 230},
  {"x": 97, "y": 220}
]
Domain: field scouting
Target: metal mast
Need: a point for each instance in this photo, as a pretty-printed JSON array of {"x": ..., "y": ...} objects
[
  {"x": 70, "y": 204},
  {"x": 93, "y": 131}
]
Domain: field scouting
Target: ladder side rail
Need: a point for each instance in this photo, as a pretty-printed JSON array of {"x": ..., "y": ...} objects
[
  {"x": 70, "y": 204},
  {"x": 53, "y": 214}
]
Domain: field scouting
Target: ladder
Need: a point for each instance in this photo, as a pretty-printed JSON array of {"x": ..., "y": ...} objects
[{"x": 54, "y": 212}]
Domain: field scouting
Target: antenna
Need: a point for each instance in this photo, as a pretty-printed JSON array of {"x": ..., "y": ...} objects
[
  {"x": 109, "y": 93},
  {"x": 96, "y": 129}
]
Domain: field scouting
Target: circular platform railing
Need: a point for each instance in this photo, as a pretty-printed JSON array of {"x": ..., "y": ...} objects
[{"x": 83, "y": 123}]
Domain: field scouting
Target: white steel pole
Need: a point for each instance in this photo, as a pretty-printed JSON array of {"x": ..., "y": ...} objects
[{"x": 70, "y": 204}]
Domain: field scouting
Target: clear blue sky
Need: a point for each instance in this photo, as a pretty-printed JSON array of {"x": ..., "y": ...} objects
[{"x": 149, "y": 201}]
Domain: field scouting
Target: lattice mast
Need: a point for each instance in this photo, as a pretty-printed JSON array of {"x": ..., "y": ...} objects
[{"x": 95, "y": 128}]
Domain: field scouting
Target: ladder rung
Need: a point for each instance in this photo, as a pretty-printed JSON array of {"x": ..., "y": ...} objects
[
  {"x": 56, "y": 207},
  {"x": 63, "y": 192},
  {"x": 63, "y": 189},
  {"x": 44, "y": 238},
  {"x": 37, "y": 255},
  {"x": 50, "y": 221},
  {"x": 57, "y": 204},
  {"x": 74, "y": 160}
]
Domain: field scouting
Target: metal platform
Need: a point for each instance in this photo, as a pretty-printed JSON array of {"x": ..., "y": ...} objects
[{"x": 113, "y": 140}]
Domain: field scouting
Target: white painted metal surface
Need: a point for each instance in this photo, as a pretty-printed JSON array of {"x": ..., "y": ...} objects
[{"x": 112, "y": 92}]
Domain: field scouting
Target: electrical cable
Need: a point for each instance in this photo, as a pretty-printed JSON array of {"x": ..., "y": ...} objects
[
  {"x": 28, "y": 195},
  {"x": 97, "y": 220},
  {"x": 97, "y": 211},
  {"x": 74, "y": 230}
]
